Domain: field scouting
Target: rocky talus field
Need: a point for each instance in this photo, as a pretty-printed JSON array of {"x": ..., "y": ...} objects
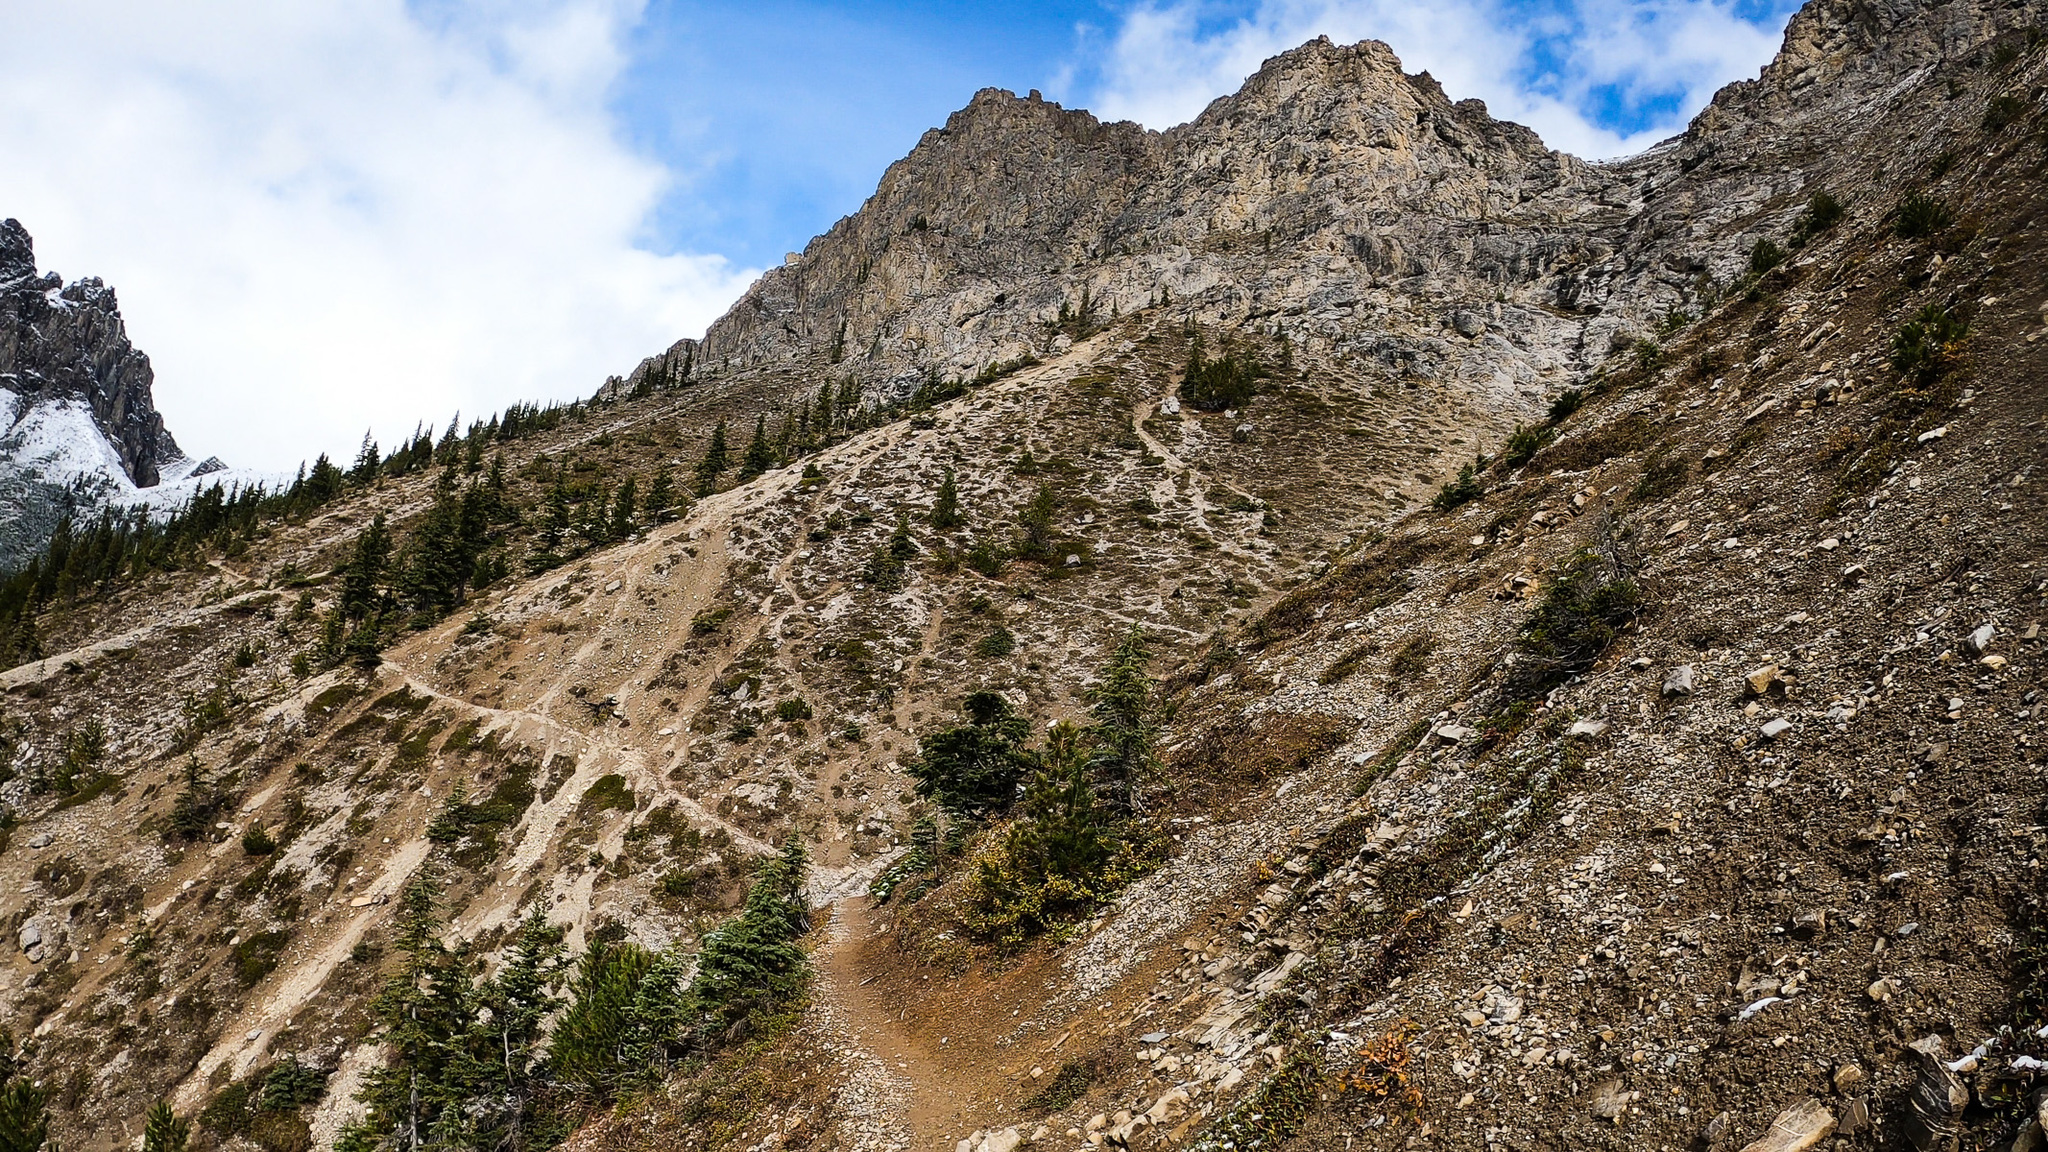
[{"x": 1549, "y": 652}]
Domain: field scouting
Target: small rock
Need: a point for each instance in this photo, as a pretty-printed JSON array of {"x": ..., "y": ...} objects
[
  {"x": 1808, "y": 925},
  {"x": 1507, "y": 1010},
  {"x": 1775, "y": 728},
  {"x": 1717, "y": 1128},
  {"x": 1980, "y": 640},
  {"x": 1474, "y": 1018},
  {"x": 1454, "y": 733},
  {"x": 1882, "y": 989},
  {"x": 1938, "y": 1097},
  {"x": 1609, "y": 1100},
  {"x": 1830, "y": 544},
  {"x": 614, "y": 586},
  {"x": 1848, "y": 1076},
  {"x": 31, "y": 935},
  {"x": 1853, "y": 575},
  {"x": 1678, "y": 681},
  {"x": 1468, "y": 323},
  {"x": 1072, "y": 559},
  {"x": 1855, "y": 1117},
  {"x": 1933, "y": 434},
  {"x": 1796, "y": 1129},
  {"x": 1587, "y": 728},
  {"x": 1764, "y": 679},
  {"x": 41, "y": 840}
]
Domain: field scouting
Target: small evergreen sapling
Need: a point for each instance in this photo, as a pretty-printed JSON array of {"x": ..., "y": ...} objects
[
  {"x": 946, "y": 506},
  {"x": 164, "y": 1130}
]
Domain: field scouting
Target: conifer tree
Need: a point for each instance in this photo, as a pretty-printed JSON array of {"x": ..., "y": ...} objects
[
  {"x": 362, "y": 579},
  {"x": 324, "y": 482},
  {"x": 594, "y": 518},
  {"x": 972, "y": 770},
  {"x": 1125, "y": 726},
  {"x": 588, "y": 1048},
  {"x": 367, "y": 461},
  {"x": 714, "y": 462},
  {"x": 425, "y": 1008},
  {"x": 24, "y": 1115},
  {"x": 520, "y": 1000},
  {"x": 1037, "y": 522},
  {"x": 751, "y": 963},
  {"x": 164, "y": 1130},
  {"x": 661, "y": 495},
  {"x": 657, "y": 1022},
  {"x": 760, "y": 457},
  {"x": 946, "y": 507},
  {"x": 1062, "y": 834},
  {"x": 556, "y": 523},
  {"x": 823, "y": 417},
  {"x": 450, "y": 447},
  {"x": 622, "y": 509},
  {"x": 848, "y": 401}
]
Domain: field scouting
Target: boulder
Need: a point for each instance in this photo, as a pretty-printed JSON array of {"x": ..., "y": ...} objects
[
  {"x": 1678, "y": 681},
  {"x": 1937, "y": 1099},
  {"x": 1796, "y": 1129}
]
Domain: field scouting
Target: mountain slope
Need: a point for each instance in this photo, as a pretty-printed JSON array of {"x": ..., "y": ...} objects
[{"x": 1668, "y": 781}]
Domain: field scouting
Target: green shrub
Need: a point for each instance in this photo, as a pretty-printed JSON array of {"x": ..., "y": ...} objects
[
  {"x": 1067, "y": 1085},
  {"x": 1920, "y": 215},
  {"x": 1927, "y": 345},
  {"x": 792, "y": 708},
  {"x": 709, "y": 620},
  {"x": 1591, "y": 599},
  {"x": 1823, "y": 211},
  {"x": 1411, "y": 659},
  {"x": 1461, "y": 489},
  {"x": 997, "y": 644},
  {"x": 257, "y": 841},
  {"x": 1764, "y": 256},
  {"x": 256, "y": 956},
  {"x": 1523, "y": 444},
  {"x": 2003, "y": 111},
  {"x": 987, "y": 558},
  {"x": 1566, "y": 402},
  {"x": 609, "y": 792},
  {"x": 291, "y": 1085}
]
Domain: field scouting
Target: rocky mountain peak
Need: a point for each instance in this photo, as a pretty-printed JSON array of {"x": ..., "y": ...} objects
[
  {"x": 67, "y": 343},
  {"x": 17, "y": 252}
]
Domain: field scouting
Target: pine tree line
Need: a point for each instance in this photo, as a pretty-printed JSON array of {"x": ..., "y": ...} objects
[{"x": 512, "y": 1061}]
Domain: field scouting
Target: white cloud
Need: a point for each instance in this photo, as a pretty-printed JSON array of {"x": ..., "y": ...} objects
[
  {"x": 1167, "y": 61},
  {"x": 327, "y": 214}
]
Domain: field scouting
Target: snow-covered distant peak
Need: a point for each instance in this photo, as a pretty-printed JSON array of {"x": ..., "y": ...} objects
[{"x": 58, "y": 442}]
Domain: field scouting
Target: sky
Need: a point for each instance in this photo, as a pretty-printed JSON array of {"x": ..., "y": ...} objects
[{"x": 332, "y": 215}]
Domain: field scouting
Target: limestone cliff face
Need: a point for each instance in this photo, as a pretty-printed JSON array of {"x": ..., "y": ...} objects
[
  {"x": 1333, "y": 199},
  {"x": 67, "y": 342},
  {"x": 1330, "y": 174}
]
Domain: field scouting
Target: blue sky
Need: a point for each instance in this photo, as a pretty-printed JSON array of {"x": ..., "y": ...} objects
[{"x": 330, "y": 214}]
